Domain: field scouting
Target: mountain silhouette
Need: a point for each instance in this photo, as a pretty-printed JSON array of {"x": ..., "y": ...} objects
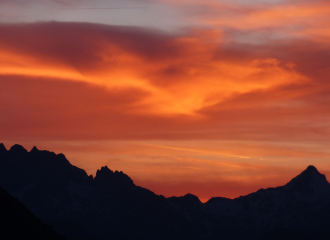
[
  {"x": 310, "y": 180},
  {"x": 17, "y": 222},
  {"x": 111, "y": 206}
]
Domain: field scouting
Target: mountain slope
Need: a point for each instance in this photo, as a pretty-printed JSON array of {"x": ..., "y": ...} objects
[
  {"x": 108, "y": 205},
  {"x": 111, "y": 206},
  {"x": 302, "y": 205},
  {"x": 17, "y": 222}
]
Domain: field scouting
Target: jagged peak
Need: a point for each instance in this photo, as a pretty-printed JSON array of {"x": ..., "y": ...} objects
[
  {"x": 34, "y": 149},
  {"x": 50, "y": 155},
  {"x": 310, "y": 178},
  {"x": 104, "y": 171},
  {"x": 17, "y": 149},
  {"x": 310, "y": 172},
  {"x": 108, "y": 177}
]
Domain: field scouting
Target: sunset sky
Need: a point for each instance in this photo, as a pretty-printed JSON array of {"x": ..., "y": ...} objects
[{"x": 209, "y": 97}]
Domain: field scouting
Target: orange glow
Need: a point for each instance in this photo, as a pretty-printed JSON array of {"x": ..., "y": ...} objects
[
  {"x": 200, "y": 82},
  {"x": 172, "y": 171},
  {"x": 192, "y": 112}
]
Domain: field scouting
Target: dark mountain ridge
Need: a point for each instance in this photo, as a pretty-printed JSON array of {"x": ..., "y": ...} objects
[
  {"x": 111, "y": 206},
  {"x": 17, "y": 222}
]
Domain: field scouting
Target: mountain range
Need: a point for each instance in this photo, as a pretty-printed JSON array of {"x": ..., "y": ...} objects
[{"x": 111, "y": 206}]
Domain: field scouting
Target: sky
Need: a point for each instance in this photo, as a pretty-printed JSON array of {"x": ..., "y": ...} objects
[{"x": 212, "y": 97}]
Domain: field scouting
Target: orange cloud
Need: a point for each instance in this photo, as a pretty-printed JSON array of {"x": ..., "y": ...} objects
[
  {"x": 69, "y": 82},
  {"x": 196, "y": 88},
  {"x": 179, "y": 74}
]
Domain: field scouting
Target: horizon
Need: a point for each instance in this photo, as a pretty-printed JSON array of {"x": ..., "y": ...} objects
[
  {"x": 205, "y": 97},
  {"x": 203, "y": 200}
]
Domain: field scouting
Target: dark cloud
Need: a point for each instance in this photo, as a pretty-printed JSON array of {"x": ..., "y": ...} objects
[{"x": 80, "y": 44}]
